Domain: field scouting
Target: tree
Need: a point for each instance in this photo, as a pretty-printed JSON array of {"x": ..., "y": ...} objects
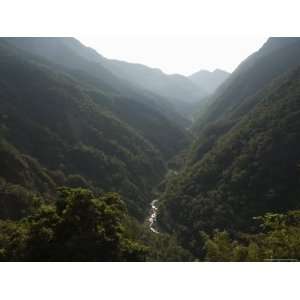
[
  {"x": 279, "y": 239},
  {"x": 79, "y": 226}
]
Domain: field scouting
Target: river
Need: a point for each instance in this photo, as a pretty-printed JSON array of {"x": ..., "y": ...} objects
[
  {"x": 153, "y": 216},
  {"x": 154, "y": 207}
]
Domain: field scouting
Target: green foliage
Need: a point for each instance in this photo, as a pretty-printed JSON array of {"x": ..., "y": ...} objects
[
  {"x": 54, "y": 126},
  {"x": 279, "y": 241},
  {"x": 219, "y": 248},
  {"x": 16, "y": 201},
  {"x": 82, "y": 226},
  {"x": 75, "y": 124},
  {"x": 165, "y": 248},
  {"x": 237, "y": 95},
  {"x": 79, "y": 226},
  {"x": 249, "y": 170},
  {"x": 160, "y": 247},
  {"x": 75, "y": 180}
]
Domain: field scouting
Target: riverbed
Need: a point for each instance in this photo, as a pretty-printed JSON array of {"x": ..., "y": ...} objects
[{"x": 153, "y": 216}]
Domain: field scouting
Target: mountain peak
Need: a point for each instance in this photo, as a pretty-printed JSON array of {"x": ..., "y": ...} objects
[
  {"x": 220, "y": 71},
  {"x": 276, "y": 43},
  {"x": 208, "y": 80}
]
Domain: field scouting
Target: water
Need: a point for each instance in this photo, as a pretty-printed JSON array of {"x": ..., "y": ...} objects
[
  {"x": 154, "y": 208},
  {"x": 153, "y": 216}
]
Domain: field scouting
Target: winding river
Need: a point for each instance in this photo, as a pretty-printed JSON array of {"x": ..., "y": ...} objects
[
  {"x": 154, "y": 208},
  {"x": 153, "y": 216}
]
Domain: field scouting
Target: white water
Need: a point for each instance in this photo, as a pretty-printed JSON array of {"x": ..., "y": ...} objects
[
  {"x": 154, "y": 209},
  {"x": 153, "y": 216}
]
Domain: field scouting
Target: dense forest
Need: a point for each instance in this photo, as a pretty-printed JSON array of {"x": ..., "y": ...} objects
[
  {"x": 87, "y": 143},
  {"x": 245, "y": 161}
]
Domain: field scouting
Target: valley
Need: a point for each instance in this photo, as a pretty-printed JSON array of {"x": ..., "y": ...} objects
[{"x": 105, "y": 160}]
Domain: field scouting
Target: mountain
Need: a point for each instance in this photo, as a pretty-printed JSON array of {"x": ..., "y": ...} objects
[
  {"x": 58, "y": 128},
  {"x": 144, "y": 111},
  {"x": 209, "y": 81},
  {"x": 236, "y": 96},
  {"x": 245, "y": 161},
  {"x": 86, "y": 144},
  {"x": 274, "y": 58},
  {"x": 177, "y": 88},
  {"x": 168, "y": 92}
]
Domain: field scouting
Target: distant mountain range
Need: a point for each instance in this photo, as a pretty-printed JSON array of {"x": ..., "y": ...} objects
[
  {"x": 63, "y": 115},
  {"x": 209, "y": 81},
  {"x": 178, "y": 90}
]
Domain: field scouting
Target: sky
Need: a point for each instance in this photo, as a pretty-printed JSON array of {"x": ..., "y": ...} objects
[
  {"x": 181, "y": 54},
  {"x": 178, "y": 36}
]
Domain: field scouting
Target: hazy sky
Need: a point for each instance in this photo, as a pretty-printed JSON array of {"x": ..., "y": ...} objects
[
  {"x": 177, "y": 54},
  {"x": 178, "y": 36}
]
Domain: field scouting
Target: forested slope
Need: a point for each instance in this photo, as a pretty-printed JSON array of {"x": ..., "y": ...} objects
[
  {"x": 237, "y": 95},
  {"x": 56, "y": 131},
  {"x": 62, "y": 130},
  {"x": 251, "y": 168},
  {"x": 93, "y": 69},
  {"x": 84, "y": 151}
]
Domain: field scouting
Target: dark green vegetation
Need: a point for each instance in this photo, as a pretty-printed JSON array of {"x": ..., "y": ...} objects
[
  {"x": 144, "y": 111},
  {"x": 80, "y": 226},
  {"x": 56, "y": 131},
  {"x": 172, "y": 95},
  {"x": 67, "y": 122},
  {"x": 246, "y": 160},
  {"x": 86, "y": 143},
  {"x": 278, "y": 240},
  {"x": 235, "y": 97}
]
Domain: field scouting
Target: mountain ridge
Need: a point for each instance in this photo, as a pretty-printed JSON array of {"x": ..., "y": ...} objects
[
  {"x": 209, "y": 81},
  {"x": 245, "y": 149}
]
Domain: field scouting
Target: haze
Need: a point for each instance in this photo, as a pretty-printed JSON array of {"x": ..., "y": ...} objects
[{"x": 177, "y": 54}]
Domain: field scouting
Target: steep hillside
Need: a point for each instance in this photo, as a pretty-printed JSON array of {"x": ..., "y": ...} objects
[
  {"x": 209, "y": 81},
  {"x": 167, "y": 93},
  {"x": 275, "y": 57},
  {"x": 56, "y": 131},
  {"x": 253, "y": 168},
  {"x": 176, "y": 88},
  {"x": 236, "y": 96},
  {"x": 125, "y": 100}
]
